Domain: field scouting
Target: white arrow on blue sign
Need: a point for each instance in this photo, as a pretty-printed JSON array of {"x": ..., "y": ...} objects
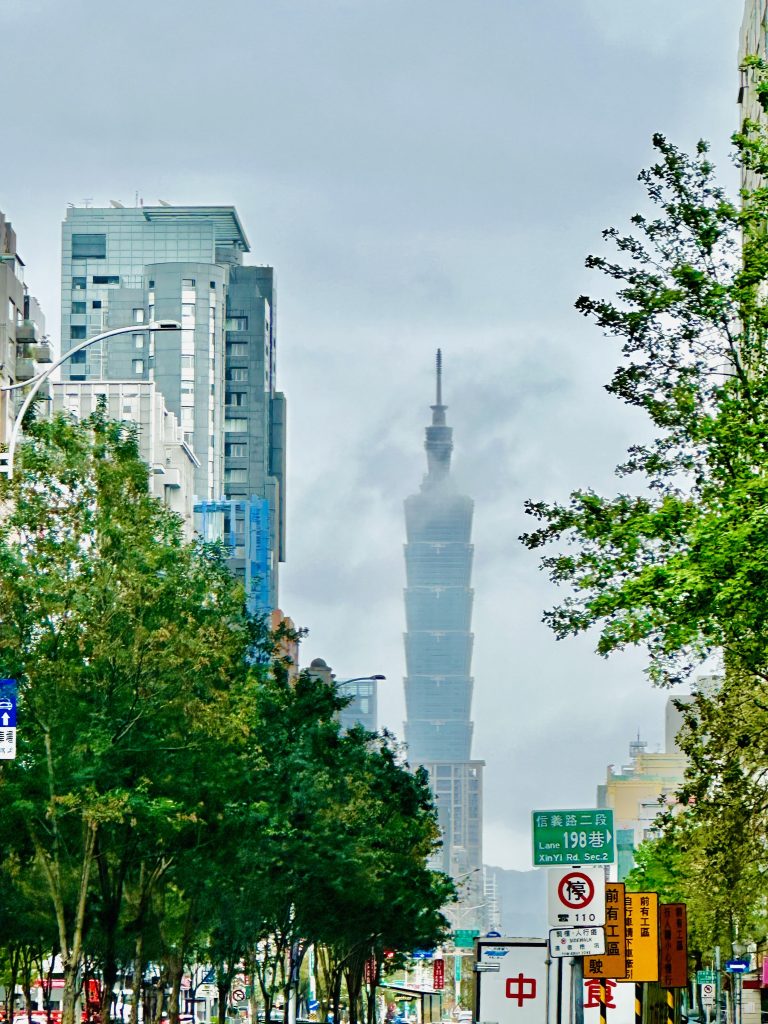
[
  {"x": 736, "y": 966},
  {"x": 8, "y": 703}
]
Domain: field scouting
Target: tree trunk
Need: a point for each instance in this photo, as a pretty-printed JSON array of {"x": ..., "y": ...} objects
[
  {"x": 70, "y": 992},
  {"x": 371, "y": 997},
  {"x": 10, "y": 992},
  {"x": 27, "y": 962},
  {"x": 159, "y": 992},
  {"x": 336, "y": 996},
  {"x": 354, "y": 978},
  {"x": 223, "y": 990},
  {"x": 175, "y": 972},
  {"x": 138, "y": 978}
]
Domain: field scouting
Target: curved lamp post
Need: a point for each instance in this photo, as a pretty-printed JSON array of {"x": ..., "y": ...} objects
[{"x": 7, "y": 458}]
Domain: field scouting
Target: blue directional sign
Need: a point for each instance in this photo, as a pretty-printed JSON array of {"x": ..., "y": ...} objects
[
  {"x": 422, "y": 954},
  {"x": 738, "y": 966},
  {"x": 7, "y": 703}
]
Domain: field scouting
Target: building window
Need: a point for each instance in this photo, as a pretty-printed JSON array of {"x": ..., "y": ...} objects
[
  {"x": 235, "y": 426},
  {"x": 78, "y": 307},
  {"x": 77, "y": 357},
  {"x": 138, "y": 315},
  {"x": 77, "y": 333},
  {"x": 77, "y": 376},
  {"x": 138, "y": 366},
  {"x": 89, "y": 247},
  {"x": 237, "y": 373},
  {"x": 235, "y": 476},
  {"x": 78, "y": 284},
  {"x": 96, "y": 304},
  {"x": 138, "y": 341},
  {"x": 237, "y": 348},
  {"x": 235, "y": 450},
  {"x": 105, "y": 279},
  {"x": 187, "y": 282},
  {"x": 236, "y": 398},
  {"x": 236, "y": 323},
  {"x": 188, "y": 362}
]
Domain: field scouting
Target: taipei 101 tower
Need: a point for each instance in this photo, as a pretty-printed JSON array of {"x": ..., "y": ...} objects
[{"x": 438, "y": 654}]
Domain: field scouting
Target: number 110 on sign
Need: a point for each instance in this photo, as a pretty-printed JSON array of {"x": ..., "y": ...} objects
[{"x": 573, "y": 837}]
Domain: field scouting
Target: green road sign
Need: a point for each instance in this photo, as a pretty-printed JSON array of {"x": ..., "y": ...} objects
[
  {"x": 573, "y": 837},
  {"x": 705, "y": 977},
  {"x": 464, "y": 938}
]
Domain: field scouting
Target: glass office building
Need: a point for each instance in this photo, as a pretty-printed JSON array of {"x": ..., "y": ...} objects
[
  {"x": 128, "y": 266},
  {"x": 438, "y": 650}
]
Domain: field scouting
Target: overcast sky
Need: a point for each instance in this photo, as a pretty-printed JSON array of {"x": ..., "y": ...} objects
[{"x": 420, "y": 173}]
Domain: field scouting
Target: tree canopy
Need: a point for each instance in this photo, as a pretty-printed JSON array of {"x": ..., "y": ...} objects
[
  {"x": 177, "y": 797},
  {"x": 677, "y": 561}
]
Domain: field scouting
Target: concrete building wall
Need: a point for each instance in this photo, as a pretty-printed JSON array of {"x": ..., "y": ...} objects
[
  {"x": 635, "y": 793},
  {"x": 171, "y": 462}
]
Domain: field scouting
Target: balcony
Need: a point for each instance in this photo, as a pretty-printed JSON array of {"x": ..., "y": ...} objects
[
  {"x": 27, "y": 332},
  {"x": 42, "y": 353},
  {"x": 25, "y": 368}
]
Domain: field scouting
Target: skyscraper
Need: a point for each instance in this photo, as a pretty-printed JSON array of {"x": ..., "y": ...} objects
[
  {"x": 123, "y": 266},
  {"x": 438, "y": 652}
]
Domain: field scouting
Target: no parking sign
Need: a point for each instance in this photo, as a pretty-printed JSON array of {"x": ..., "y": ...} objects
[{"x": 576, "y": 896}]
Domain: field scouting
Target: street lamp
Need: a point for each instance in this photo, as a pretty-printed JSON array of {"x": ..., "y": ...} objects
[
  {"x": 7, "y": 458},
  {"x": 739, "y": 949}
]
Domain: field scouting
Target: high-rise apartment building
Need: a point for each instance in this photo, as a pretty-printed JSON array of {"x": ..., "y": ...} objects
[
  {"x": 438, "y": 652},
  {"x": 23, "y": 344},
  {"x": 128, "y": 266},
  {"x": 171, "y": 461}
]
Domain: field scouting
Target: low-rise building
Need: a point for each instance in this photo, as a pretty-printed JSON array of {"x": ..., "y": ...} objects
[{"x": 636, "y": 792}]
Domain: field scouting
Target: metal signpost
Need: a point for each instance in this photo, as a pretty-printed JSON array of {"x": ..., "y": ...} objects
[
  {"x": 737, "y": 967},
  {"x": 573, "y": 837}
]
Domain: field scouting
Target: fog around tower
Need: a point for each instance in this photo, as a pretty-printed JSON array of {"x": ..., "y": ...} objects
[{"x": 420, "y": 176}]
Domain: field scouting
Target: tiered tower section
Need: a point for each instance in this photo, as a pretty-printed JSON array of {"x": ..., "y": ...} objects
[
  {"x": 438, "y": 651},
  {"x": 438, "y": 606}
]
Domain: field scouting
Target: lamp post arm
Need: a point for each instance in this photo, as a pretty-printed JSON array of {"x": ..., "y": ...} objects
[{"x": 37, "y": 382}]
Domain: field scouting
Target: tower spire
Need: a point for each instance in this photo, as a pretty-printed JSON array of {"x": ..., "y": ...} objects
[{"x": 439, "y": 443}]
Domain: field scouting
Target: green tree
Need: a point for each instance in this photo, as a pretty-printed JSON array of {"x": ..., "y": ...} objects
[
  {"x": 680, "y": 566},
  {"x": 677, "y": 562},
  {"x": 128, "y": 644}
]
